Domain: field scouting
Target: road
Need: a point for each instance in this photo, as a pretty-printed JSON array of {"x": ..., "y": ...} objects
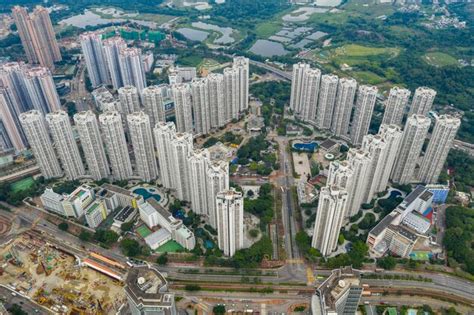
[
  {"x": 282, "y": 74},
  {"x": 10, "y": 297},
  {"x": 79, "y": 93}
]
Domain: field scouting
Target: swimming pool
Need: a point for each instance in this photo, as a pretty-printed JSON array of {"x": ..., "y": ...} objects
[
  {"x": 308, "y": 146},
  {"x": 147, "y": 193}
]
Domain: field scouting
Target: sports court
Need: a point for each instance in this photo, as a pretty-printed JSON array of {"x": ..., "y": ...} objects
[
  {"x": 143, "y": 231},
  {"x": 22, "y": 184},
  {"x": 420, "y": 255},
  {"x": 170, "y": 247}
]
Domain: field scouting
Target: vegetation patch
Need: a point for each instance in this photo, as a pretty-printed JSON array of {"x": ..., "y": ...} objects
[{"x": 440, "y": 59}]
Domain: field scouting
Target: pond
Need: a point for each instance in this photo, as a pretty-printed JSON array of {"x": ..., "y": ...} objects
[
  {"x": 395, "y": 193},
  {"x": 327, "y": 3},
  {"x": 226, "y": 32},
  {"x": 268, "y": 48},
  {"x": 89, "y": 18},
  {"x": 193, "y": 34}
]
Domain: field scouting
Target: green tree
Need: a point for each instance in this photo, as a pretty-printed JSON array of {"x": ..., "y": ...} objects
[
  {"x": 162, "y": 259},
  {"x": 387, "y": 262},
  {"x": 126, "y": 226},
  {"x": 219, "y": 309},
  {"x": 85, "y": 236},
  {"x": 16, "y": 309},
  {"x": 130, "y": 247},
  {"x": 192, "y": 287},
  {"x": 63, "y": 226}
]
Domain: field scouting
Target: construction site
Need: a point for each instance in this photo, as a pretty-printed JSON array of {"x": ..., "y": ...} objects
[{"x": 57, "y": 280}]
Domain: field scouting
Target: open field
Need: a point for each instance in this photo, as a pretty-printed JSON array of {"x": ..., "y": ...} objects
[
  {"x": 143, "y": 231},
  {"x": 439, "y": 59},
  {"x": 267, "y": 29},
  {"x": 353, "y": 54},
  {"x": 22, "y": 184}
]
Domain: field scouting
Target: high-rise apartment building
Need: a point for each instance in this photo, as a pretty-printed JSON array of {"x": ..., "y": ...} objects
[
  {"x": 183, "y": 107},
  {"x": 12, "y": 76},
  {"x": 165, "y": 132},
  {"x": 217, "y": 109},
  {"x": 327, "y": 99},
  {"x": 36, "y": 132},
  {"x": 364, "y": 107},
  {"x": 383, "y": 149},
  {"x": 309, "y": 94},
  {"x": 181, "y": 148},
  {"x": 297, "y": 86},
  {"x": 11, "y": 123},
  {"x": 346, "y": 92},
  {"x": 329, "y": 217},
  {"x": 41, "y": 90},
  {"x": 217, "y": 181},
  {"x": 129, "y": 99},
  {"x": 116, "y": 145},
  {"x": 93, "y": 51},
  {"x": 359, "y": 161},
  {"x": 141, "y": 138},
  {"x": 92, "y": 144},
  {"x": 414, "y": 134},
  {"x": 230, "y": 221},
  {"x": 37, "y": 36},
  {"x": 201, "y": 108},
  {"x": 131, "y": 68},
  {"x": 112, "y": 47},
  {"x": 422, "y": 101},
  {"x": 232, "y": 94},
  {"x": 395, "y": 106},
  {"x": 241, "y": 64},
  {"x": 441, "y": 141},
  {"x": 66, "y": 146},
  {"x": 198, "y": 164},
  {"x": 153, "y": 98},
  {"x": 216, "y": 100}
]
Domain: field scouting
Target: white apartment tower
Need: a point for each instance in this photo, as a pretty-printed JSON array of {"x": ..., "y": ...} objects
[
  {"x": 131, "y": 68},
  {"x": 116, "y": 145},
  {"x": 327, "y": 99},
  {"x": 165, "y": 132},
  {"x": 395, "y": 106},
  {"x": 309, "y": 94},
  {"x": 230, "y": 221},
  {"x": 129, "y": 99},
  {"x": 346, "y": 92},
  {"x": 241, "y": 64},
  {"x": 414, "y": 134},
  {"x": 92, "y": 144},
  {"x": 9, "y": 117},
  {"x": 183, "y": 107},
  {"x": 383, "y": 149},
  {"x": 422, "y": 101},
  {"x": 198, "y": 163},
  {"x": 217, "y": 181},
  {"x": 181, "y": 148},
  {"x": 441, "y": 141},
  {"x": 216, "y": 100},
  {"x": 143, "y": 147},
  {"x": 200, "y": 97},
  {"x": 112, "y": 47},
  {"x": 366, "y": 97},
  {"x": 154, "y": 102},
  {"x": 93, "y": 51},
  {"x": 66, "y": 146},
  {"x": 232, "y": 94},
  {"x": 297, "y": 86},
  {"x": 329, "y": 217},
  {"x": 359, "y": 161},
  {"x": 36, "y": 132},
  {"x": 41, "y": 89}
]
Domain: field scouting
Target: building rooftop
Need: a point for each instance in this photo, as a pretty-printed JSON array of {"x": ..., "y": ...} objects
[
  {"x": 162, "y": 211},
  {"x": 146, "y": 286},
  {"x": 413, "y": 195},
  {"x": 383, "y": 224},
  {"x": 124, "y": 214},
  {"x": 93, "y": 206},
  {"x": 157, "y": 237},
  {"x": 403, "y": 231}
]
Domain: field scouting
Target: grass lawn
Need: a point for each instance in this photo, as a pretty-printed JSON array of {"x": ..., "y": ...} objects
[
  {"x": 367, "y": 77},
  {"x": 22, "y": 184},
  {"x": 143, "y": 231},
  {"x": 439, "y": 59},
  {"x": 267, "y": 29},
  {"x": 170, "y": 247},
  {"x": 353, "y": 50}
]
